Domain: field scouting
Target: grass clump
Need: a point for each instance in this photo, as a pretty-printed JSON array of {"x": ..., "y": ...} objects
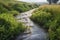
[
  {"x": 9, "y": 27},
  {"x": 48, "y": 16}
]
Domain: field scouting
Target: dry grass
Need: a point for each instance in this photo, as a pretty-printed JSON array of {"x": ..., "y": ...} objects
[{"x": 49, "y": 17}]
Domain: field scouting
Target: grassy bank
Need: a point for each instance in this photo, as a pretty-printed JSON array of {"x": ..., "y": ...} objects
[
  {"x": 6, "y": 6},
  {"x": 9, "y": 27},
  {"x": 48, "y": 16}
]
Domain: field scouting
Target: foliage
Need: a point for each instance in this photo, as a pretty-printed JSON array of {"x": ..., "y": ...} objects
[
  {"x": 14, "y": 13},
  {"x": 6, "y": 6},
  {"x": 22, "y": 7},
  {"x": 48, "y": 17},
  {"x": 9, "y": 27}
]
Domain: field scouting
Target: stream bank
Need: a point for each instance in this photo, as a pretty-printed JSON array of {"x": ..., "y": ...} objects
[{"x": 34, "y": 32}]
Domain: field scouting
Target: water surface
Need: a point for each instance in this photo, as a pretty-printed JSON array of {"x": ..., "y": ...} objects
[{"x": 35, "y": 32}]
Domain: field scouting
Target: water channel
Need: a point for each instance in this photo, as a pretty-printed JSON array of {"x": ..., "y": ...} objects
[{"x": 34, "y": 32}]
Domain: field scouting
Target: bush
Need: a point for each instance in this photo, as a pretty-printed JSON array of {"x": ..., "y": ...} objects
[
  {"x": 2, "y": 8},
  {"x": 41, "y": 17},
  {"x": 22, "y": 7},
  {"x": 9, "y": 27},
  {"x": 48, "y": 17},
  {"x": 14, "y": 13}
]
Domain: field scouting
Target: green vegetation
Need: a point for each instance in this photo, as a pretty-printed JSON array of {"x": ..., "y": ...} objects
[
  {"x": 6, "y": 6},
  {"x": 48, "y": 16},
  {"x": 9, "y": 27},
  {"x": 22, "y": 7}
]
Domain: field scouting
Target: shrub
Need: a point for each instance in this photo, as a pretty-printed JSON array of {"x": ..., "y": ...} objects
[
  {"x": 9, "y": 27},
  {"x": 48, "y": 17},
  {"x": 2, "y": 8},
  {"x": 14, "y": 13},
  {"x": 22, "y": 7},
  {"x": 41, "y": 17}
]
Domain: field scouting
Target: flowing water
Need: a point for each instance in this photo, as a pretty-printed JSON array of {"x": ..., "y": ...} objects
[{"x": 34, "y": 32}]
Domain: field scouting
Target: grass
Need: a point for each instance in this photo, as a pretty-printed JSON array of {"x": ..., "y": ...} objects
[
  {"x": 48, "y": 16},
  {"x": 9, "y": 27}
]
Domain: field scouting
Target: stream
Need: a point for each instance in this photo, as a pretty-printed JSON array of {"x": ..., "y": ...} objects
[{"x": 34, "y": 31}]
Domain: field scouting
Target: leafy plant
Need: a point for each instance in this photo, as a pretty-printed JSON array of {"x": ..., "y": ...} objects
[
  {"x": 9, "y": 27},
  {"x": 48, "y": 17}
]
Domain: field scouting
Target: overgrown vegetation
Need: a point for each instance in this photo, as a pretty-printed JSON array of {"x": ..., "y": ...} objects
[
  {"x": 23, "y": 7},
  {"x": 15, "y": 6},
  {"x": 48, "y": 17},
  {"x": 9, "y": 27}
]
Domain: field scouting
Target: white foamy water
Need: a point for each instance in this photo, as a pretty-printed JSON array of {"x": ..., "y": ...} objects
[{"x": 37, "y": 33}]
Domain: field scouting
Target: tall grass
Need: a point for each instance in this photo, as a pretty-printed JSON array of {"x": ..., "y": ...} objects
[
  {"x": 48, "y": 16},
  {"x": 9, "y": 27}
]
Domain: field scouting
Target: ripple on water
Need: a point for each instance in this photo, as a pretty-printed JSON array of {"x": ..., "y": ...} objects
[
  {"x": 36, "y": 32},
  {"x": 36, "y": 37}
]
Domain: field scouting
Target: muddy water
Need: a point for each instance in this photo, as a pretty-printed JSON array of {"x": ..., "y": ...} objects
[{"x": 34, "y": 32}]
